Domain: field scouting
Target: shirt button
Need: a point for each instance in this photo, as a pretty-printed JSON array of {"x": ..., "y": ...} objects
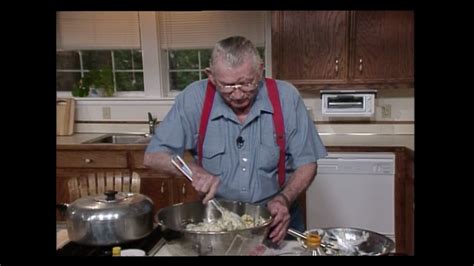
[
  {"x": 244, "y": 159},
  {"x": 243, "y": 189},
  {"x": 244, "y": 169}
]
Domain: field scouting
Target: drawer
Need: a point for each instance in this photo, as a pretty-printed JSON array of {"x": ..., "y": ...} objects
[
  {"x": 91, "y": 159},
  {"x": 137, "y": 159}
]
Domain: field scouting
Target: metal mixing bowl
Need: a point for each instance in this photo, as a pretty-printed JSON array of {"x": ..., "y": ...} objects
[
  {"x": 181, "y": 242},
  {"x": 353, "y": 242}
]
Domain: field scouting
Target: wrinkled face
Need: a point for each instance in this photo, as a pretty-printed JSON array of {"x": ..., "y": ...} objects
[{"x": 237, "y": 85}]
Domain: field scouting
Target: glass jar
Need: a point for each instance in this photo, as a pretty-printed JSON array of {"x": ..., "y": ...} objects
[{"x": 313, "y": 246}]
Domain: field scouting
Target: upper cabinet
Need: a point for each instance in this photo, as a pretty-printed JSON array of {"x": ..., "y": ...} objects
[
  {"x": 357, "y": 49},
  {"x": 309, "y": 46},
  {"x": 382, "y": 46}
]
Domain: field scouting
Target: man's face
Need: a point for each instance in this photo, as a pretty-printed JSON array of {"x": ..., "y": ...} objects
[{"x": 238, "y": 85}]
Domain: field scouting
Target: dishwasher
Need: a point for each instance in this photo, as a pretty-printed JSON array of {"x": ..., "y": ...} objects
[{"x": 354, "y": 190}]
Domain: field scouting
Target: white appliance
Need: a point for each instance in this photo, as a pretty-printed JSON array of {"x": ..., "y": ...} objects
[
  {"x": 348, "y": 103},
  {"x": 354, "y": 190}
]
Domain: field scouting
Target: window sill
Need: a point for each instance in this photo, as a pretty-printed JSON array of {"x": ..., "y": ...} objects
[{"x": 118, "y": 98}]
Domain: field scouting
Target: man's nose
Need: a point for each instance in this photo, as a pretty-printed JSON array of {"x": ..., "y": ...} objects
[{"x": 237, "y": 94}]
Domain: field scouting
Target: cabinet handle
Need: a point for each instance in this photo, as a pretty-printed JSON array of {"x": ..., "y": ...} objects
[
  {"x": 360, "y": 65},
  {"x": 87, "y": 160},
  {"x": 337, "y": 66},
  {"x": 183, "y": 189},
  {"x": 162, "y": 187}
]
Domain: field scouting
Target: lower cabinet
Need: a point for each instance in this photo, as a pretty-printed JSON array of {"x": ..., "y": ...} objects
[
  {"x": 184, "y": 191},
  {"x": 164, "y": 190}
]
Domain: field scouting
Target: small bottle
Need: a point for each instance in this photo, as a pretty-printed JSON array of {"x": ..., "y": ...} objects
[
  {"x": 116, "y": 251},
  {"x": 313, "y": 246}
]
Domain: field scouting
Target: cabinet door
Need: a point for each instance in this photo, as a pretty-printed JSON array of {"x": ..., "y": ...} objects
[
  {"x": 382, "y": 46},
  {"x": 310, "y": 47},
  {"x": 157, "y": 187},
  {"x": 184, "y": 191}
]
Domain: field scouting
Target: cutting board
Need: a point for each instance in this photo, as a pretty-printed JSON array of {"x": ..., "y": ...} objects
[{"x": 65, "y": 108}]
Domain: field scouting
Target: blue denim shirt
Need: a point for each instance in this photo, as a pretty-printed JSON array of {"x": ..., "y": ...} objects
[{"x": 248, "y": 172}]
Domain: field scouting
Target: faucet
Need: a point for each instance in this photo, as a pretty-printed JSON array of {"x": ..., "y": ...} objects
[{"x": 151, "y": 123}]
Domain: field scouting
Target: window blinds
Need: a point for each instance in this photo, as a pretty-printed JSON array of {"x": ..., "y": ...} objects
[
  {"x": 97, "y": 30},
  {"x": 202, "y": 29}
]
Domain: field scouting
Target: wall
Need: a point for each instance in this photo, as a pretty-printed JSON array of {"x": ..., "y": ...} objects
[{"x": 130, "y": 115}]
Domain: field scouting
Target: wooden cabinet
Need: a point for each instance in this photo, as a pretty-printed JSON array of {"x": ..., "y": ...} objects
[
  {"x": 164, "y": 190},
  {"x": 184, "y": 191},
  {"x": 310, "y": 46},
  {"x": 334, "y": 49},
  {"x": 382, "y": 47},
  {"x": 91, "y": 159}
]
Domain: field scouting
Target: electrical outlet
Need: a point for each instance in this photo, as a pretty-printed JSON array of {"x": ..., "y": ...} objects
[
  {"x": 106, "y": 113},
  {"x": 386, "y": 111}
]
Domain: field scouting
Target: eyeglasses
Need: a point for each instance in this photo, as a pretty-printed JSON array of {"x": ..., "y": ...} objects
[{"x": 247, "y": 87}]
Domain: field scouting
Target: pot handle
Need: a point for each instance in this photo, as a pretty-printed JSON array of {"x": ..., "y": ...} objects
[
  {"x": 62, "y": 207},
  {"x": 110, "y": 195},
  {"x": 202, "y": 250}
]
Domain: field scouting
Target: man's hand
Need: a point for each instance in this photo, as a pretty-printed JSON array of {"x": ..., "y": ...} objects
[
  {"x": 205, "y": 183},
  {"x": 279, "y": 209}
]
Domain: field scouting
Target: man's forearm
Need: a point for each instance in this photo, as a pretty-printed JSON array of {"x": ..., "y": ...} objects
[
  {"x": 300, "y": 181},
  {"x": 160, "y": 161}
]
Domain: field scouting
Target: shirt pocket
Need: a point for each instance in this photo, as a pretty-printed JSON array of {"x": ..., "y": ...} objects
[
  {"x": 268, "y": 159},
  {"x": 212, "y": 159}
]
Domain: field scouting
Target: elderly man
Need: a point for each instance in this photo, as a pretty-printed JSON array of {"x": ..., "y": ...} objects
[{"x": 251, "y": 137}]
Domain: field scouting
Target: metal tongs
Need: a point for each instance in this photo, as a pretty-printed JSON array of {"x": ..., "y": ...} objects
[{"x": 179, "y": 163}]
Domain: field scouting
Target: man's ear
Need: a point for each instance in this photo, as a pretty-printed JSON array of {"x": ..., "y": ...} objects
[
  {"x": 260, "y": 69},
  {"x": 209, "y": 75}
]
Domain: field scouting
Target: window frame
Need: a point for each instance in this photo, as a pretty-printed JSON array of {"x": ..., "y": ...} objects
[{"x": 155, "y": 65}]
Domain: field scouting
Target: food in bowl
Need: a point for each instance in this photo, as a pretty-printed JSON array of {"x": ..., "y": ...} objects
[
  {"x": 183, "y": 242},
  {"x": 229, "y": 221}
]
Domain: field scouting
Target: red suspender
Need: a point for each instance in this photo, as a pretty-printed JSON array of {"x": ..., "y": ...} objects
[
  {"x": 277, "y": 122},
  {"x": 205, "y": 113},
  {"x": 279, "y": 127}
]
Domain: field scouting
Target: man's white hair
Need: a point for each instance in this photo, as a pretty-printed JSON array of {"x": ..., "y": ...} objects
[{"x": 233, "y": 50}]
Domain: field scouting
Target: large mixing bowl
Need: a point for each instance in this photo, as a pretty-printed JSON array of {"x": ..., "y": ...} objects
[
  {"x": 352, "y": 242},
  {"x": 181, "y": 242}
]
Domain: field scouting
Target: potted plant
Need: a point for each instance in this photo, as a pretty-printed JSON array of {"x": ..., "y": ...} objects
[{"x": 96, "y": 81}]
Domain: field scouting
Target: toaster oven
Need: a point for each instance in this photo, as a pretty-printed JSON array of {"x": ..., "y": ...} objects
[{"x": 348, "y": 103}]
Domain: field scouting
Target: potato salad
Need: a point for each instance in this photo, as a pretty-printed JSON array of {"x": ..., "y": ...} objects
[{"x": 229, "y": 221}]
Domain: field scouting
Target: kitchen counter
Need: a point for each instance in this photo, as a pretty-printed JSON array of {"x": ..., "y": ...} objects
[
  {"x": 367, "y": 140},
  {"x": 76, "y": 138},
  {"x": 76, "y": 142},
  {"x": 329, "y": 140},
  {"x": 287, "y": 248}
]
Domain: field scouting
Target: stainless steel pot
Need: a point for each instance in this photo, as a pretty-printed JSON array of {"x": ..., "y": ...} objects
[
  {"x": 109, "y": 219},
  {"x": 180, "y": 242}
]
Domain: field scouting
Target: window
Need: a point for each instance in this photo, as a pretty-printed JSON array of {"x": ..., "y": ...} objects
[
  {"x": 187, "y": 38},
  {"x": 150, "y": 54},
  {"x": 186, "y": 66},
  {"x": 126, "y": 67},
  {"x": 99, "y": 42}
]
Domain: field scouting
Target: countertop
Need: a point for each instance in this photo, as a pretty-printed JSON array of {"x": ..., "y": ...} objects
[
  {"x": 287, "y": 248},
  {"x": 329, "y": 140}
]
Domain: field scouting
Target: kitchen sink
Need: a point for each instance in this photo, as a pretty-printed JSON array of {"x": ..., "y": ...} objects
[{"x": 121, "y": 139}]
